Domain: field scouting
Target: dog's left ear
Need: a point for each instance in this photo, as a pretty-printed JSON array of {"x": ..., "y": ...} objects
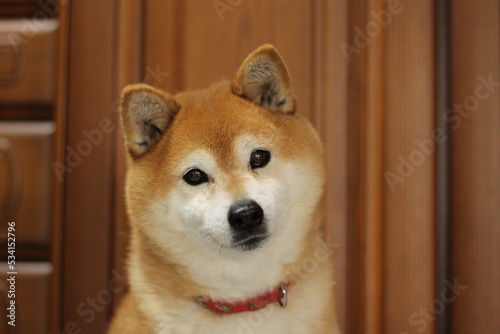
[{"x": 263, "y": 79}]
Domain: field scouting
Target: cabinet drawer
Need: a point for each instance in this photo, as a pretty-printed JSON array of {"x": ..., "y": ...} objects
[
  {"x": 27, "y": 61},
  {"x": 26, "y": 154},
  {"x": 32, "y": 298}
]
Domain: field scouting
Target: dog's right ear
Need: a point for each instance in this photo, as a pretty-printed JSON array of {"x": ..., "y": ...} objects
[
  {"x": 263, "y": 78},
  {"x": 146, "y": 114}
]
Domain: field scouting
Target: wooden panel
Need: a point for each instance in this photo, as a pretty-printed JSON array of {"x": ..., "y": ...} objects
[
  {"x": 409, "y": 168},
  {"x": 27, "y": 58},
  {"x": 329, "y": 116},
  {"x": 163, "y": 42},
  {"x": 232, "y": 34},
  {"x": 89, "y": 178},
  {"x": 190, "y": 49},
  {"x": 129, "y": 58},
  {"x": 365, "y": 164},
  {"x": 27, "y": 184},
  {"x": 60, "y": 103},
  {"x": 475, "y": 167},
  {"x": 32, "y": 298}
]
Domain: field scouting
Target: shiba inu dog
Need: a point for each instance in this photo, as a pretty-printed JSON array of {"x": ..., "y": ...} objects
[{"x": 223, "y": 191}]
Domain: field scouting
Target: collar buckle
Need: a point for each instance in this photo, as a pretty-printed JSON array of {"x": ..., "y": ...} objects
[{"x": 284, "y": 300}]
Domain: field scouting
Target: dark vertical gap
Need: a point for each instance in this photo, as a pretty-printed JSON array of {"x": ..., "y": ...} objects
[
  {"x": 58, "y": 256},
  {"x": 356, "y": 124},
  {"x": 442, "y": 158}
]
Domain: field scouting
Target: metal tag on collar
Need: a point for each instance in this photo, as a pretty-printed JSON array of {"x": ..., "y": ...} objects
[{"x": 284, "y": 300}]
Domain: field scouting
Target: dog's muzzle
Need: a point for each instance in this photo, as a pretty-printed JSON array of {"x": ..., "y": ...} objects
[{"x": 247, "y": 222}]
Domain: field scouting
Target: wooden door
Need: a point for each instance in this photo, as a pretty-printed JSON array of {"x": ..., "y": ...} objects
[{"x": 475, "y": 167}]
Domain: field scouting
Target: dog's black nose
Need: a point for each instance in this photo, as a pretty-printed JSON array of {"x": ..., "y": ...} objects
[{"x": 245, "y": 215}]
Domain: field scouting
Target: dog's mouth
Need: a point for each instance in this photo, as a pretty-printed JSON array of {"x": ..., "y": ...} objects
[{"x": 250, "y": 242}]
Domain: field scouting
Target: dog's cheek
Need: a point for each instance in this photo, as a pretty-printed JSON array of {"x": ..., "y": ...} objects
[
  {"x": 270, "y": 192},
  {"x": 202, "y": 212},
  {"x": 215, "y": 219},
  {"x": 190, "y": 209}
]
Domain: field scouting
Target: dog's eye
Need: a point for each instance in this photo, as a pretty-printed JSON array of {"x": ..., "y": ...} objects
[
  {"x": 259, "y": 158},
  {"x": 195, "y": 177}
]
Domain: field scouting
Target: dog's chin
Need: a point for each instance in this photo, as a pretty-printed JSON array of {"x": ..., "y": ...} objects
[
  {"x": 246, "y": 243},
  {"x": 250, "y": 243}
]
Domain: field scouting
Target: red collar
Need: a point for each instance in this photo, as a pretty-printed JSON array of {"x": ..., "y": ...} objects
[{"x": 253, "y": 304}]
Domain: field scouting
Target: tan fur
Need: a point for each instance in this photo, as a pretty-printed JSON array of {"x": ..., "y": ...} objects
[{"x": 162, "y": 286}]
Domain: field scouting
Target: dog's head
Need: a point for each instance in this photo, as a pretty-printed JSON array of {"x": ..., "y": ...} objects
[{"x": 230, "y": 167}]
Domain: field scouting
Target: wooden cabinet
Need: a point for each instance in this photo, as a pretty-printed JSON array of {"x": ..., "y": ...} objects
[
  {"x": 26, "y": 186},
  {"x": 475, "y": 166},
  {"x": 28, "y": 59},
  {"x": 28, "y": 48}
]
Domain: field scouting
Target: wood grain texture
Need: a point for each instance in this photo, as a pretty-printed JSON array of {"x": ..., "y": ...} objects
[
  {"x": 89, "y": 193},
  {"x": 130, "y": 37},
  {"x": 61, "y": 84},
  {"x": 28, "y": 62},
  {"x": 475, "y": 166},
  {"x": 371, "y": 191},
  {"x": 287, "y": 25},
  {"x": 190, "y": 41},
  {"x": 365, "y": 163},
  {"x": 163, "y": 44},
  {"x": 329, "y": 106},
  {"x": 408, "y": 245},
  {"x": 31, "y": 144}
]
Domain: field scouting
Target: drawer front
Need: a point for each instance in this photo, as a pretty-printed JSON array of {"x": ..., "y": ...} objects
[
  {"x": 30, "y": 290},
  {"x": 26, "y": 197},
  {"x": 27, "y": 61}
]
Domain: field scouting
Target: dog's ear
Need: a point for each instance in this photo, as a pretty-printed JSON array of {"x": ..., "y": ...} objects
[
  {"x": 263, "y": 79},
  {"x": 146, "y": 113}
]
